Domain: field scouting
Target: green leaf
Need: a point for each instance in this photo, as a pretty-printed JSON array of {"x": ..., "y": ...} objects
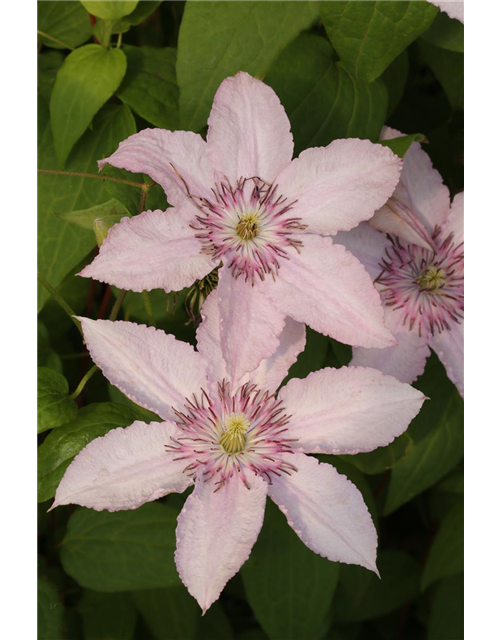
[
  {"x": 150, "y": 86},
  {"x": 67, "y": 22},
  {"x": 107, "y": 616},
  {"x": 50, "y": 612},
  {"x": 446, "y": 33},
  {"x": 289, "y": 587},
  {"x": 368, "y": 36},
  {"x": 218, "y": 39},
  {"x": 143, "y": 10},
  {"x": 446, "y": 556},
  {"x": 171, "y": 614},
  {"x": 447, "y": 621},
  {"x": 342, "y": 353},
  {"x": 382, "y": 458},
  {"x": 54, "y": 407},
  {"x": 111, "y": 212},
  {"x": 312, "y": 358},
  {"x": 430, "y": 459},
  {"x": 46, "y": 355},
  {"x": 401, "y": 144},
  {"x": 363, "y": 596},
  {"x": 61, "y": 446},
  {"x": 62, "y": 245},
  {"x": 110, "y": 10},
  {"x": 453, "y": 483},
  {"x": 104, "y": 29},
  {"x": 394, "y": 78},
  {"x": 122, "y": 551},
  {"x": 87, "y": 79},
  {"x": 448, "y": 67},
  {"x": 49, "y": 63},
  {"x": 321, "y": 98}
]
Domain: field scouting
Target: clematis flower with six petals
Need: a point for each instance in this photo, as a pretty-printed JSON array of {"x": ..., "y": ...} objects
[
  {"x": 242, "y": 204},
  {"x": 237, "y": 441},
  {"x": 418, "y": 269}
]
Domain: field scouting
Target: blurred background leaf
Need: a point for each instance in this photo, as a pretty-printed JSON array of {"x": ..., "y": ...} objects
[{"x": 231, "y": 37}]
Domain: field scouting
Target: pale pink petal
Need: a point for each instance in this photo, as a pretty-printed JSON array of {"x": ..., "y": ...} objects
[
  {"x": 366, "y": 244},
  {"x": 421, "y": 189},
  {"x": 338, "y": 186},
  {"x": 215, "y": 534},
  {"x": 405, "y": 361},
  {"x": 177, "y": 160},
  {"x": 455, "y": 221},
  {"x": 449, "y": 346},
  {"x": 397, "y": 219},
  {"x": 152, "y": 368},
  {"x": 154, "y": 250},
  {"x": 327, "y": 288},
  {"x": 124, "y": 469},
  {"x": 327, "y": 512},
  {"x": 208, "y": 338},
  {"x": 250, "y": 324},
  {"x": 271, "y": 371},
  {"x": 453, "y": 8},
  {"x": 248, "y": 130},
  {"x": 348, "y": 410}
]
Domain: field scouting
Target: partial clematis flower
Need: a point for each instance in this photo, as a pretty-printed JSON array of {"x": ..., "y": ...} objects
[
  {"x": 454, "y": 8},
  {"x": 237, "y": 440},
  {"x": 244, "y": 207},
  {"x": 419, "y": 271}
]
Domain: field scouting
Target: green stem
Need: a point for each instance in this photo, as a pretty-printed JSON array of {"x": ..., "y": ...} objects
[
  {"x": 78, "y": 174},
  {"x": 118, "y": 303},
  {"x": 83, "y": 382},
  {"x": 119, "y": 41},
  {"x": 74, "y": 356},
  {"x": 56, "y": 40},
  {"x": 60, "y": 300},
  {"x": 149, "y": 309}
]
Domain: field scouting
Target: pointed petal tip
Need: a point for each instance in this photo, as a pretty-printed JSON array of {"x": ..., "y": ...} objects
[{"x": 54, "y": 505}]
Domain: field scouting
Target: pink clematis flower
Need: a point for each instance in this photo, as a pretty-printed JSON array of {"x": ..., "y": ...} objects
[
  {"x": 241, "y": 202},
  {"x": 237, "y": 441},
  {"x": 454, "y": 8},
  {"x": 419, "y": 271}
]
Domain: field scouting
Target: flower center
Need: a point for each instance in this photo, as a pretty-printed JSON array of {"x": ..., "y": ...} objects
[
  {"x": 431, "y": 279},
  {"x": 233, "y": 435},
  {"x": 234, "y": 439},
  {"x": 248, "y": 226},
  {"x": 424, "y": 288}
]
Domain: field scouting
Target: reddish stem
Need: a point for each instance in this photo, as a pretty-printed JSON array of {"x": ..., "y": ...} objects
[{"x": 105, "y": 301}]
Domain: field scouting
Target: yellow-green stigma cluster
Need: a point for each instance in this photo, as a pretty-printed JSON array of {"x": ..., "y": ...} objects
[
  {"x": 234, "y": 439},
  {"x": 247, "y": 227},
  {"x": 431, "y": 279}
]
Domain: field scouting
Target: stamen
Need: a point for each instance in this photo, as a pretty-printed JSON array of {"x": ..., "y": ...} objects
[
  {"x": 228, "y": 435},
  {"x": 233, "y": 440},
  {"x": 247, "y": 226},
  {"x": 424, "y": 288},
  {"x": 431, "y": 279}
]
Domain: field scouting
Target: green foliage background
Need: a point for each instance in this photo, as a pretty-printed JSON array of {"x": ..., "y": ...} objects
[{"x": 341, "y": 69}]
